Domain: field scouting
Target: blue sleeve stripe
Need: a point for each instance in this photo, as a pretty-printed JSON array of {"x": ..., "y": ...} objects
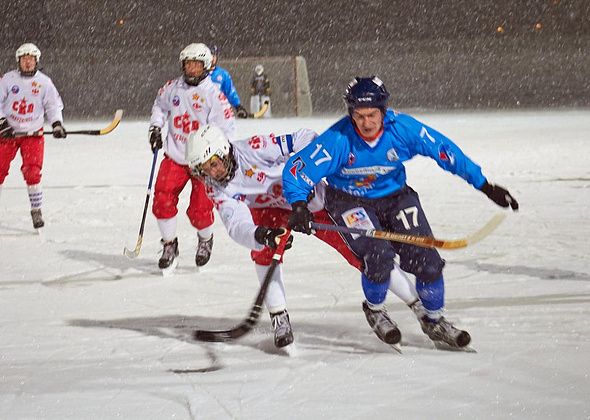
[{"x": 287, "y": 141}]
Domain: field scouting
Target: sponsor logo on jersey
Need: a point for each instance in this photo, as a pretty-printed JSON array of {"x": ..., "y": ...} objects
[
  {"x": 261, "y": 177},
  {"x": 355, "y": 217},
  {"x": 296, "y": 166},
  {"x": 197, "y": 106},
  {"x": 368, "y": 170},
  {"x": 176, "y": 100},
  {"x": 222, "y": 98},
  {"x": 239, "y": 197},
  {"x": 14, "y": 89},
  {"x": 366, "y": 182},
  {"x": 445, "y": 155},
  {"x": 392, "y": 155},
  {"x": 228, "y": 113}
]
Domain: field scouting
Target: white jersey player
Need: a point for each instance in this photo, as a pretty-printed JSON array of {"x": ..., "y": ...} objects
[
  {"x": 27, "y": 98},
  {"x": 244, "y": 180},
  {"x": 186, "y": 104}
]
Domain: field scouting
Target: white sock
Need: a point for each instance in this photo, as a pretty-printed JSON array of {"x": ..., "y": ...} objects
[
  {"x": 167, "y": 228},
  {"x": 275, "y": 299},
  {"x": 206, "y": 233},
  {"x": 35, "y": 196},
  {"x": 401, "y": 286}
]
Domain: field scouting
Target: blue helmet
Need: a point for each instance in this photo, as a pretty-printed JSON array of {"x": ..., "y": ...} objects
[{"x": 366, "y": 92}]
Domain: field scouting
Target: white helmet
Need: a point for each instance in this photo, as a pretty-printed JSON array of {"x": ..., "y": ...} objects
[
  {"x": 198, "y": 52},
  {"x": 259, "y": 69},
  {"x": 204, "y": 144},
  {"x": 28, "y": 49}
]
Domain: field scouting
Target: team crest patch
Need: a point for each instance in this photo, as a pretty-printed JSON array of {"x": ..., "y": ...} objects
[
  {"x": 297, "y": 166},
  {"x": 351, "y": 159},
  {"x": 446, "y": 155},
  {"x": 392, "y": 155},
  {"x": 14, "y": 89},
  {"x": 176, "y": 100}
]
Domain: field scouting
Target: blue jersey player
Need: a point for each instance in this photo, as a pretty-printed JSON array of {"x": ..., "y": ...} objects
[
  {"x": 222, "y": 77},
  {"x": 362, "y": 158}
]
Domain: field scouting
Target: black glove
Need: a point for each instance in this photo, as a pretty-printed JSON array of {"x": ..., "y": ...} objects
[
  {"x": 241, "y": 112},
  {"x": 271, "y": 236},
  {"x": 499, "y": 195},
  {"x": 59, "y": 132},
  {"x": 155, "y": 134},
  {"x": 6, "y": 130},
  {"x": 300, "y": 218}
]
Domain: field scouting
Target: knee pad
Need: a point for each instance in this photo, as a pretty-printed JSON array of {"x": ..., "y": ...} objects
[
  {"x": 32, "y": 174},
  {"x": 164, "y": 206},
  {"x": 431, "y": 272},
  {"x": 379, "y": 263},
  {"x": 375, "y": 293}
]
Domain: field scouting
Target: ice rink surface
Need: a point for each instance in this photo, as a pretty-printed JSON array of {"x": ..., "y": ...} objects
[{"x": 86, "y": 333}]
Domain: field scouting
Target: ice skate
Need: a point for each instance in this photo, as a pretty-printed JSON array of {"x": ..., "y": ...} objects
[
  {"x": 282, "y": 328},
  {"x": 382, "y": 325},
  {"x": 445, "y": 332},
  {"x": 37, "y": 218},
  {"x": 168, "y": 261},
  {"x": 203, "y": 251}
]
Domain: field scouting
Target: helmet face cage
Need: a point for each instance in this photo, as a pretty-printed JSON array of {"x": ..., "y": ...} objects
[
  {"x": 28, "y": 49},
  {"x": 366, "y": 92},
  {"x": 205, "y": 144},
  {"x": 197, "y": 52}
]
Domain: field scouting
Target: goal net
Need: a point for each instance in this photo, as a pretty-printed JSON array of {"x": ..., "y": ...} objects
[{"x": 290, "y": 95}]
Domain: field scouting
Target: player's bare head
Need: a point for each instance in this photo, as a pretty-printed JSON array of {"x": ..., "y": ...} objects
[
  {"x": 209, "y": 155},
  {"x": 196, "y": 61}
]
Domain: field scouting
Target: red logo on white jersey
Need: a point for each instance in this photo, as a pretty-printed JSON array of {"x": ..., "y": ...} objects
[
  {"x": 184, "y": 122},
  {"x": 228, "y": 113},
  {"x": 22, "y": 107},
  {"x": 257, "y": 142},
  {"x": 222, "y": 98}
]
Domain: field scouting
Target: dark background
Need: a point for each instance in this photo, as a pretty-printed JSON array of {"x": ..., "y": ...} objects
[{"x": 433, "y": 54}]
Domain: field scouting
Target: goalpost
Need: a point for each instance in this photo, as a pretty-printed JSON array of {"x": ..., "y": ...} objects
[{"x": 290, "y": 94}]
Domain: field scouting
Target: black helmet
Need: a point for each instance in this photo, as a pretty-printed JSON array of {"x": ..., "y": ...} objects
[{"x": 366, "y": 92}]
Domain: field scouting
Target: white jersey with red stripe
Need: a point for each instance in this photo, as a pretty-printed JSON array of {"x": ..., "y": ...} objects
[
  {"x": 258, "y": 183},
  {"x": 186, "y": 108},
  {"x": 26, "y": 101}
]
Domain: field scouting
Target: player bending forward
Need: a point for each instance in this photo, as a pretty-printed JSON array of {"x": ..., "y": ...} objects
[{"x": 245, "y": 183}]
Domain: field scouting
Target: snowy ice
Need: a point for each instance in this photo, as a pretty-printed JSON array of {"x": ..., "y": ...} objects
[{"x": 87, "y": 333}]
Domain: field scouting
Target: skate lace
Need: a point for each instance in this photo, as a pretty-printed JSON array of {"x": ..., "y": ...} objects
[
  {"x": 280, "y": 323},
  {"x": 169, "y": 250},
  {"x": 204, "y": 247},
  {"x": 381, "y": 319}
]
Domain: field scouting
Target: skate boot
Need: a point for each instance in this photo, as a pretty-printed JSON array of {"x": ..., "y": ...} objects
[
  {"x": 443, "y": 330},
  {"x": 169, "y": 253},
  {"x": 37, "y": 218},
  {"x": 203, "y": 251},
  {"x": 382, "y": 325},
  {"x": 282, "y": 328}
]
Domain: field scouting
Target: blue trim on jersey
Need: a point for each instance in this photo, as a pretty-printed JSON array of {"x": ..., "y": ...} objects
[
  {"x": 289, "y": 138},
  {"x": 349, "y": 164},
  {"x": 374, "y": 292}
]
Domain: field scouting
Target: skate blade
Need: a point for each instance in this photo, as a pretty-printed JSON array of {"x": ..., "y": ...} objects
[
  {"x": 168, "y": 271},
  {"x": 441, "y": 345},
  {"x": 396, "y": 347}
]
